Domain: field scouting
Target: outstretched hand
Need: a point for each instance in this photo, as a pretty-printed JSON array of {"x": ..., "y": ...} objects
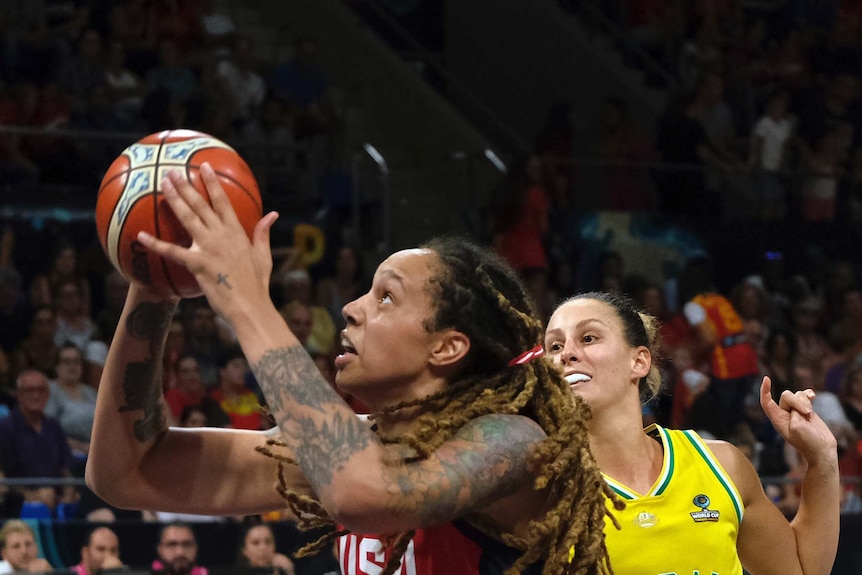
[
  {"x": 232, "y": 271},
  {"x": 794, "y": 418}
]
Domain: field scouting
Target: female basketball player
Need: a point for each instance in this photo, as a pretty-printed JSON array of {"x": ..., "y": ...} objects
[
  {"x": 692, "y": 506},
  {"x": 475, "y": 447}
]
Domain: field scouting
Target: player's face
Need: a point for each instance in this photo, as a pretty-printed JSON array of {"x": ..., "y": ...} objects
[
  {"x": 178, "y": 549},
  {"x": 386, "y": 342},
  {"x": 259, "y": 546},
  {"x": 20, "y": 550},
  {"x": 585, "y": 338}
]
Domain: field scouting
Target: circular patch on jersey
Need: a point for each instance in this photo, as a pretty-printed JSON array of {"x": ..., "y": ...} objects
[{"x": 701, "y": 501}]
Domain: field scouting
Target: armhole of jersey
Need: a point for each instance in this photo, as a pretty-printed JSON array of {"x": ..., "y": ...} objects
[{"x": 717, "y": 469}]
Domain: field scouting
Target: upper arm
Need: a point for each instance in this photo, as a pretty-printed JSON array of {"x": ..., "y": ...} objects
[
  {"x": 486, "y": 460},
  {"x": 210, "y": 471},
  {"x": 766, "y": 543}
]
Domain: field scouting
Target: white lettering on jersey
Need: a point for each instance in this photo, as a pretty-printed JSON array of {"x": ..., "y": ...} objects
[{"x": 365, "y": 556}]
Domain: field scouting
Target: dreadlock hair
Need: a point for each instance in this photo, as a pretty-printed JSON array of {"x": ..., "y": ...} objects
[
  {"x": 640, "y": 328},
  {"x": 477, "y": 293}
]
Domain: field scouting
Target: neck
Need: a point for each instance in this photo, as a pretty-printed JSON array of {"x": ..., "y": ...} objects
[{"x": 33, "y": 418}]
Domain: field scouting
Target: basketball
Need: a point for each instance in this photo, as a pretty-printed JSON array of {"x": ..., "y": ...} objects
[{"x": 130, "y": 201}]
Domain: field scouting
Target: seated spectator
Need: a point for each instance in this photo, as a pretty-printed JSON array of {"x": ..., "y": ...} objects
[
  {"x": 19, "y": 550},
  {"x": 74, "y": 323},
  {"x": 235, "y": 399},
  {"x": 851, "y": 396},
  {"x": 217, "y": 28},
  {"x": 190, "y": 390},
  {"x": 300, "y": 321},
  {"x": 100, "y": 554},
  {"x": 38, "y": 350},
  {"x": 204, "y": 339},
  {"x": 258, "y": 550},
  {"x": 243, "y": 84},
  {"x": 304, "y": 84},
  {"x": 177, "y": 551},
  {"x": 34, "y": 444},
  {"x": 133, "y": 22},
  {"x": 72, "y": 402},
  {"x": 193, "y": 416},
  {"x": 297, "y": 286},
  {"x": 64, "y": 266},
  {"x": 174, "y": 348},
  {"x": 345, "y": 284},
  {"x": 86, "y": 72},
  {"x": 171, "y": 74},
  {"x": 770, "y": 143},
  {"x": 125, "y": 88}
]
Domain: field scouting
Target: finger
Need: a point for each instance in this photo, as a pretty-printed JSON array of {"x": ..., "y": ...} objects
[
  {"x": 220, "y": 202},
  {"x": 261, "y": 239},
  {"x": 766, "y": 401},
  {"x": 798, "y": 402},
  {"x": 196, "y": 202},
  {"x": 165, "y": 249},
  {"x": 180, "y": 207}
]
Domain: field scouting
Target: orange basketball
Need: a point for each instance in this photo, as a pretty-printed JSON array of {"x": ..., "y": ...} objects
[{"x": 130, "y": 200}]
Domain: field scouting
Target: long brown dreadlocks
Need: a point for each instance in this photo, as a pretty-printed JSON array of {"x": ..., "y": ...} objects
[{"x": 478, "y": 294}]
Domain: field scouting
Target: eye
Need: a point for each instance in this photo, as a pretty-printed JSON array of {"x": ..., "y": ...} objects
[
  {"x": 385, "y": 298},
  {"x": 554, "y": 347},
  {"x": 589, "y": 338}
]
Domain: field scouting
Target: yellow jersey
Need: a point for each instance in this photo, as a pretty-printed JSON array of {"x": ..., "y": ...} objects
[{"x": 686, "y": 524}]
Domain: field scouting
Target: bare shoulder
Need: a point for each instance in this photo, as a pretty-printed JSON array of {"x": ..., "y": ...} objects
[
  {"x": 737, "y": 465},
  {"x": 502, "y": 428}
]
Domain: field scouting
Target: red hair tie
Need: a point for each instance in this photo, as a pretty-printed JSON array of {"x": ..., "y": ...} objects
[{"x": 528, "y": 355}]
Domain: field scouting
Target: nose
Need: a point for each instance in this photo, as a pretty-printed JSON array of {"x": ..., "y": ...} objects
[
  {"x": 569, "y": 354},
  {"x": 351, "y": 312}
]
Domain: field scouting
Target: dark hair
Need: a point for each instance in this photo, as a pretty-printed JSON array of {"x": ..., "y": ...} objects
[
  {"x": 179, "y": 525},
  {"x": 189, "y": 410}
]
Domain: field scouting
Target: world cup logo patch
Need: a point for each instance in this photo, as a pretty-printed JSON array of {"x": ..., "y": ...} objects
[{"x": 705, "y": 513}]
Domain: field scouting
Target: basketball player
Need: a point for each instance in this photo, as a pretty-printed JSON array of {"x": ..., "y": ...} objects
[
  {"x": 692, "y": 506},
  {"x": 478, "y": 455}
]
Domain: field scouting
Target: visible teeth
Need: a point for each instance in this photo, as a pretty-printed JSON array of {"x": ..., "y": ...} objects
[{"x": 577, "y": 378}]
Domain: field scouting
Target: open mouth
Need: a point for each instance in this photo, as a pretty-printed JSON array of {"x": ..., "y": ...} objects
[
  {"x": 574, "y": 378},
  {"x": 347, "y": 346}
]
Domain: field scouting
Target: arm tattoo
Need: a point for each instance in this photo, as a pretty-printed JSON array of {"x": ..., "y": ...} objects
[
  {"x": 142, "y": 381},
  {"x": 486, "y": 460},
  {"x": 323, "y": 436}
]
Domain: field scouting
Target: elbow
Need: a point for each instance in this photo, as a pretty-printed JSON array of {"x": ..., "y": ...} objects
[{"x": 365, "y": 511}]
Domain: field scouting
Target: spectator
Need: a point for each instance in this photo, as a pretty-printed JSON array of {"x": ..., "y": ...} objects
[
  {"x": 178, "y": 551},
  {"x": 258, "y": 550},
  {"x": 344, "y": 285},
  {"x": 520, "y": 221},
  {"x": 770, "y": 142},
  {"x": 779, "y": 352},
  {"x": 38, "y": 350},
  {"x": 125, "y": 88},
  {"x": 171, "y": 74},
  {"x": 304, "y": 84},
  {"x": 718, "y": 334},
  {"x": 235, "y": 399},
  {"x": 217, "y": 28},
  {"x": 301, "y": 322},
  {"x": 100, "y": 554},
  {"x": 629, "y": 187},
  {"x": 175, "y": 347},
  {"x": 116, "y": 287},
  {"x": 820, "y": 184},
  {"x": 133, "y": 22},
  {"x": 811, "y": 346},
  {"x": 193, "y": 416},
  {"x": 190, "y": 390},
  {"x": 74, "y": 323},
  {"x": 34, "y": 444},
  {"x": 19, "y": 549},
  {"x": 203, "y": 340},
  {"x": 244, "y": 85},
  {"x": 297, "y": 286},
  {"x": 86, "y": 72},
  {"x": 72, "y": 402},
  {"x": 64, "y": 266}
]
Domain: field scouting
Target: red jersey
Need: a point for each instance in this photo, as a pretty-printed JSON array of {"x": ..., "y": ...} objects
[
  {"x": 440, "y": 550},
  {"x": 732, "y": 356}
]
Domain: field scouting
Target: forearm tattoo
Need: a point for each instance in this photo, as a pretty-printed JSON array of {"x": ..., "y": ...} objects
[
  {"x": 311, "y": 414},
  {"x": 142, "y": 380}
]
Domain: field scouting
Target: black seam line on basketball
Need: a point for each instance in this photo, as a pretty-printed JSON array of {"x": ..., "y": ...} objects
[
  {"x": 114, "y": 177},
  {"x": 156, "y": 190},
  {"x": 235, "y": 182}
]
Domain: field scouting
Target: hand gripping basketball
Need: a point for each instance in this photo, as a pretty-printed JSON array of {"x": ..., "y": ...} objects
[{"x": 232, "y": 271}]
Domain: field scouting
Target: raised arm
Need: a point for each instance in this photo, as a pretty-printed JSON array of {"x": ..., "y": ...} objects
[
  {"x": 136, "y": 461},
  {"x": 767, "y": 543},
  {"x": 359, "y": 481}
]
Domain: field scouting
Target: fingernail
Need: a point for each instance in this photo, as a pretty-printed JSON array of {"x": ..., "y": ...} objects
[
  {"x": 167, "y": 184},
  {"x": 207, "y": 169},
  {"x": 144, "y": 236}
]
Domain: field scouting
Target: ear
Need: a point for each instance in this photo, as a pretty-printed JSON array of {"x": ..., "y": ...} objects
[
  {"x": 450, "y": 346},
  {"x": 641, "y": 362}
]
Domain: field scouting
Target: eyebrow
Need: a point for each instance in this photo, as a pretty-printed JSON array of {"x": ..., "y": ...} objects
[
  {"x": 583, "y": 322},
  {"x": 389, "y": 274}
]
